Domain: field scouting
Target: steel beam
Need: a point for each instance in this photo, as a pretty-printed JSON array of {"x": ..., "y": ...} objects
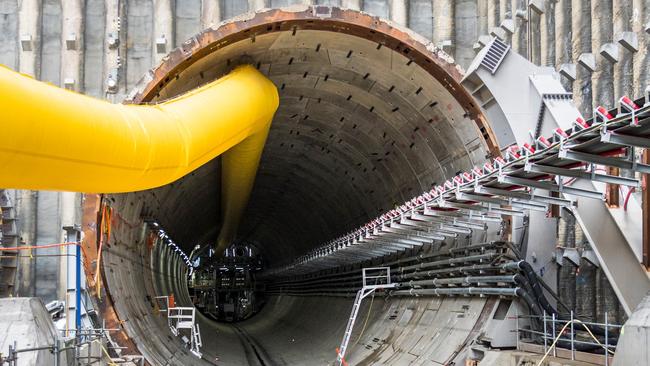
[
  {"x": 525, "y": 195},
  {"x": 575, "y": 173},
  {"x": 503, "y": 202},
  {"x": 625, "y": 140},
  {"x": 551, "y": 187},
  {"x": 626, "y": 275},
  {"x": 479, "y": 208},
  {"x": 603, "y": 160}
]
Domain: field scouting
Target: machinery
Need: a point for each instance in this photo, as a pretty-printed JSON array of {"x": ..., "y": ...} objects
[{"x": 225, "y": 288}]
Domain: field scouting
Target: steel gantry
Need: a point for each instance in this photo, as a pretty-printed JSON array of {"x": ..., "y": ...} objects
[{"x": 551, "y": 156}]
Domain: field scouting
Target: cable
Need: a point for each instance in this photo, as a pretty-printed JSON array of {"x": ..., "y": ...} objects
[
  {"x": 104, "y": 228},
  {"x": 36, "y": 256},
  {"x": 29, "y": 247},
  {"x": 627, "y": 198}
]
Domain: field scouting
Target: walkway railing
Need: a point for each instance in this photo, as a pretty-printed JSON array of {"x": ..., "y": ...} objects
[
  {"x": 562, "y": 333},
  {"x": 81, "y": 348}
]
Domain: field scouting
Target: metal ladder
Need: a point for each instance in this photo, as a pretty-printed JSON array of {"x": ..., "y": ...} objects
[
  {"x": 381, "y": 277},
  {"x": 197, "y": 342},
  {"x": 350, "y": 326}
]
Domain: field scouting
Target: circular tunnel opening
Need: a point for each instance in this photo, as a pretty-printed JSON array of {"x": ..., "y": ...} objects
[{"x": 370, "y": 115}]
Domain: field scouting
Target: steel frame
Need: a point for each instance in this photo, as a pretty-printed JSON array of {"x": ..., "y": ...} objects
[{"x": 501, "y": 188}]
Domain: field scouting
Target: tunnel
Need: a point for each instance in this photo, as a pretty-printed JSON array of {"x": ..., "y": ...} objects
[{"x": 370, "y": 115}]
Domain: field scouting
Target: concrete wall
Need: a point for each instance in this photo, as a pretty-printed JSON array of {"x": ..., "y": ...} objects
[{"x": 562, "y": 36}]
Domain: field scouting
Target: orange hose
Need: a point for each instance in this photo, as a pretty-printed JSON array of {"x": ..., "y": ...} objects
[
  {"x": 40, "y": 246},
  {"x": 107, "y": 215}
]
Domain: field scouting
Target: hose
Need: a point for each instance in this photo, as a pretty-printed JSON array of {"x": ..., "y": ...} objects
[{"x": 533, "y": 281}]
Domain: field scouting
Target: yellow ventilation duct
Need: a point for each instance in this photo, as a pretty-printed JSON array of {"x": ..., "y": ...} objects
[{"x": 56, "y": 139}]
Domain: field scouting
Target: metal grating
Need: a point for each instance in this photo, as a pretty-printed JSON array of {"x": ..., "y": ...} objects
[{"x": 497, "y": 51}]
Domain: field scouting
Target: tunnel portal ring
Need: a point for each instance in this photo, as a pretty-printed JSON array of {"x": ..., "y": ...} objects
[{"x": 333, "y": 19}]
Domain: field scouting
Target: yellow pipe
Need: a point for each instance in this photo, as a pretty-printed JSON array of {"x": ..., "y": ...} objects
[{"x": 56, "y": 139}]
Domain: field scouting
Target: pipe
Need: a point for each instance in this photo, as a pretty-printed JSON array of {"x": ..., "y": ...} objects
[
  {"x": 505, "y": 12},
  {"x": 399, "y": 12},
  {"x": 482, "y": 22},
  {"x": 641, "y": 78},
  {"x": 562, "y": 39},
  {"x": 581, "y": 44},
  {"x": 534, "y": 36},
  {"x": 450, "y": 261},
  {"x": 623, "y": 85},
  {"x": 163, "y": 28},
  {"x": 210, "y": 13},
  {"x": 602, "y": 77},
  {"x": 71, "y": 57},
  {"x": 255, "y": 5},
  {"x": 115, "y": 11},
  {"x": 495, "y": 291},
  {"x": 443, "y": 24},
  {"x": 29, "y": 22},
  {"x": 492, "y": 14},
  {"x": 532, "y": 280},
  {"x": 121, "y": 148},
  {"x": 520, "y": 36},
  {"x": 77, "y": 309},
  {"x": 460, "y": 281},
  {"x": 547, "y": 34},
  {"x": 26, "y": 218},
  {"x": 351, "y": 4}
]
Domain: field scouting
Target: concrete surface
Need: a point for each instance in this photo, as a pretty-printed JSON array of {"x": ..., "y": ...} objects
[
  {"x": 26, "y": 322},
  {"x": 635, "y": 338}
]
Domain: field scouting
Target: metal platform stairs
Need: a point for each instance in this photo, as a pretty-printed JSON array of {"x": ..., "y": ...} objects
[{"x": 183, "y": 318}]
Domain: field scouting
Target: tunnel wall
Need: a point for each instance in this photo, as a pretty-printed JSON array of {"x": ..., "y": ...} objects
[
  {"x": 136, "y": 269},
  {"x": 562, "y": 35}
]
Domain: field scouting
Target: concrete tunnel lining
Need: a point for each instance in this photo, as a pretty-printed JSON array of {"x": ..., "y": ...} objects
[{"x": 370, "y": 115}]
